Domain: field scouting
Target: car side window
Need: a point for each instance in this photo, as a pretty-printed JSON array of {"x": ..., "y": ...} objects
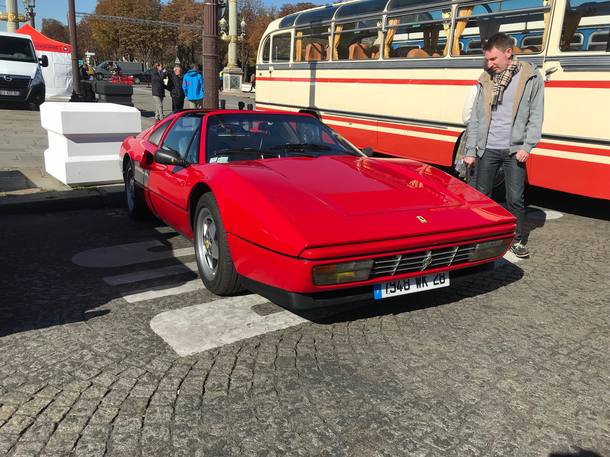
[
  {"x": 192, "y": 155},
  {"x": 155, "y": 137},
  {"x": 181, "y": 133}
]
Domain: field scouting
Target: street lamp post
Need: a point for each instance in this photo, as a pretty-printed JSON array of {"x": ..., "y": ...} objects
[
  {"x": 242, "y": 39},
  {"x": 231, "y": 74},
  {"x": 29, "y": 11}
]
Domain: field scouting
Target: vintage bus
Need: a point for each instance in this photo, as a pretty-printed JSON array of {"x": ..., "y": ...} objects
[{"x": 393, "y": 75}]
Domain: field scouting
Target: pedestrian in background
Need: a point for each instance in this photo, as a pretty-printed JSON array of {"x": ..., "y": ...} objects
[
  {"x": 505, "y": 125},
  {"x": 192, "y": 85},
  {"x": 158, "y": 90},
  {"x": 174, "y": 86}
]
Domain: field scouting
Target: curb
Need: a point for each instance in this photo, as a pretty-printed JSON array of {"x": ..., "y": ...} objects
[{"x": 89, "y": 198}]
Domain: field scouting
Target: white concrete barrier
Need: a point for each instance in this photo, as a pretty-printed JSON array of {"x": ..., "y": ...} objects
[{"x": 84, "y": 140}]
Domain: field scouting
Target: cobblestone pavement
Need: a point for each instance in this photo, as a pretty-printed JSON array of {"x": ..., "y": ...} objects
[{"x": 515, "y": 363}]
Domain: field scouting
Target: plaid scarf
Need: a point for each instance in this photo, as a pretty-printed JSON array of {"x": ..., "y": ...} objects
[{"x": 501, "y": 82}]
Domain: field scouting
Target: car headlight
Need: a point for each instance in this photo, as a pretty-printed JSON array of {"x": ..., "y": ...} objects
[
  {"x": 37, "y": 79},
  {"x": 339, "y": 273},
  {"x": 489, "y": 249}
]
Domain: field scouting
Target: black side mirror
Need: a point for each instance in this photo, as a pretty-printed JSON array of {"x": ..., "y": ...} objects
[
  {"x": 44, "y": 61},
  {"x": 368, "y": 151},
  {"x": 168, "y": 157}
]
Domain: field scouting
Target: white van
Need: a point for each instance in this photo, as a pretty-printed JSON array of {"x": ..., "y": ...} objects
[{"x": 20, "y": 73}]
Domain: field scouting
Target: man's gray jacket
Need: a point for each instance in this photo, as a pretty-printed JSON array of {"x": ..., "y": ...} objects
[{"x": 528, "y": 112}]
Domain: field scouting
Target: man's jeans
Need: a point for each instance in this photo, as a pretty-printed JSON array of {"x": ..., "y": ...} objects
[
  {"x": 158, "y": 107},
  {"x": 514, "y": 180}
]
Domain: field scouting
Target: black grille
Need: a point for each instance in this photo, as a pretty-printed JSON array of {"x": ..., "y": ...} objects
[
  {"x": 11, "y": 82},
  {"x": 422, "y": 261}
]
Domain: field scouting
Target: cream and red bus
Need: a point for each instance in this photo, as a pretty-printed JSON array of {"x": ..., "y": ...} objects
[{"x": 393, "y": 75}]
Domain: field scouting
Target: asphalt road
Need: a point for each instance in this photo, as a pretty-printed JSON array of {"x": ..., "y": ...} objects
[{"x": 109, "y": 345}]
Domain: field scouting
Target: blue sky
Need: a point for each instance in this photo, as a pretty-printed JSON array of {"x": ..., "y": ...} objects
[{"x": 58, "y": 9}]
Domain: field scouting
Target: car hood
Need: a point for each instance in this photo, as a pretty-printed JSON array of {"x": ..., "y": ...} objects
[
  {"x": 11, "y": 67},
  {"x": 338, "y": 200}
]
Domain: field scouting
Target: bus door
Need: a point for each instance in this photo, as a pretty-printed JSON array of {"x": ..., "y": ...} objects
[{"x": 574, "y": 154}]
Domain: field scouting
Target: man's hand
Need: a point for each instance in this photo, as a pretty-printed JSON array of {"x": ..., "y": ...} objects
[
  {"x": 521, "y": 155},
  {"x": 469, "y": 160}
]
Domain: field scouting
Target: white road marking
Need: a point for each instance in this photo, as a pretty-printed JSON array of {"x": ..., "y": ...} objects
[
  {"x": 164, "y": 229},
  {"x": 128, "y": 254},
  {"x": 189, "y": 286},
  {"x": 154, "y": 273},
  {"x": 209, "y": 325},
  {"x": 541, "y": 214},
  {"x": 510, "y": 257}
]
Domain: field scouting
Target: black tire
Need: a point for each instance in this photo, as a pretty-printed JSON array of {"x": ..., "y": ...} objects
[
  {"x": 134, "y": 195},
  {"x": 214, "y": 261}
]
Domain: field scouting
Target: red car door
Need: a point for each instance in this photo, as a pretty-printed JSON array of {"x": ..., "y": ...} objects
[{"x": 168, "y": 184}]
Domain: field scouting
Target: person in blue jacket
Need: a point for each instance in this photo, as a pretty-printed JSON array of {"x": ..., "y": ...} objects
[{"x": 192, "y": 85}]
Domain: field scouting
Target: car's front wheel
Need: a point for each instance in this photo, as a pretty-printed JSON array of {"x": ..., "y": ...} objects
[
  {"x": 214, "y": 260},
  {"x": 134, "y": 195}
]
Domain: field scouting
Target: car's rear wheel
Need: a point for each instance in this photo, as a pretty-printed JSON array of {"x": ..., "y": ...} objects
[
  {"x": 214, "y": 260},
  {"x": 134, "y": 195}
]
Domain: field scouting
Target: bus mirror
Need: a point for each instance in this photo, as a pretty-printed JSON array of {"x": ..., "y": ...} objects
[{"x": 368, "y": 151}]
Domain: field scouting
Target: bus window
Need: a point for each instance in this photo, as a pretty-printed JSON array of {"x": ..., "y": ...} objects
[
  {"x": 598, "y": 41},
  {"x": 577, "y": 42},
  {"x": 311, "y": 44},
  {"x": 416, "y": 34},
  {"x": 358, "y": 40},
  {"x": 532, "y": 40},
  {"x": 280, "y": 46},
  {"x": 584, "y": 17},
  {"x": 265, "y": 54},
  {"x": 476, "y": 24}
]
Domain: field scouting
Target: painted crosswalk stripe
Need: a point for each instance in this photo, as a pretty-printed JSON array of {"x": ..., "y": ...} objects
[
  {"x": 512, "y": 258},
  {"x": 154, "y": 273},
  {"x": 213, "y": 324},
  {"x": 129, "y": 254},
  {"x": 189, "y": 286}
]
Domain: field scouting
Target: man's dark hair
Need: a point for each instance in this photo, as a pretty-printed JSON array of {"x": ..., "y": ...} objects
[{"x": 500, "y": 41}]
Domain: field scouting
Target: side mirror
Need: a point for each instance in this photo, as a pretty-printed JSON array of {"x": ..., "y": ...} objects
[
  {"x": 368, "y": 151},
  {"x": 168, "y": 157},
  {"x": 44, "y": 61}
]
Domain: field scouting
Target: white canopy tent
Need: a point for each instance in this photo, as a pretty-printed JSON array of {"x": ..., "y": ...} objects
[{"x": 58, "y": 75}]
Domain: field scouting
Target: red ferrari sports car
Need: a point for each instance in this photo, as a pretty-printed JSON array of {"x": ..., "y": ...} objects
[{"x": 280, "y": 204}]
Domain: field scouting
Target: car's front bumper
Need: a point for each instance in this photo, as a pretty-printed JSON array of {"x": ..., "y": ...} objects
[
  {"x": 305, "y": 301},
  {"x": 26, "y": 90},
  {"x": 283, "y": 278}
]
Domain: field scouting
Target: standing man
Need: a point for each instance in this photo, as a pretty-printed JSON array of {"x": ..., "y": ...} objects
[
  {"x": 192, "y": 85},
  {"x": 505, "y": 125},
  {"x": 158, "y": 90},
  {"x": 174, "y": 85}
]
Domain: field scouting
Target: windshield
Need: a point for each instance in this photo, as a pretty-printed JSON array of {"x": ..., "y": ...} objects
[
  {"x": 18, "y": 49},
  {"x": 252, "y": 136}
]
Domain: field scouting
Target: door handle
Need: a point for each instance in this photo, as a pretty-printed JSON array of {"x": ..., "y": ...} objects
[{"x": 549, "y": 71}]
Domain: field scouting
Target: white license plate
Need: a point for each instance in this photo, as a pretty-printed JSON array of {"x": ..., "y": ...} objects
[
  {"x": 14, "y": 93},
  {"x": 410, "y": 285}
]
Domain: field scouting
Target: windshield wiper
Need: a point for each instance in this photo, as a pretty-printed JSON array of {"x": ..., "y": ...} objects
[
  {"x": 301, "y": 147},
  {"x": 252, "y": 151}
]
